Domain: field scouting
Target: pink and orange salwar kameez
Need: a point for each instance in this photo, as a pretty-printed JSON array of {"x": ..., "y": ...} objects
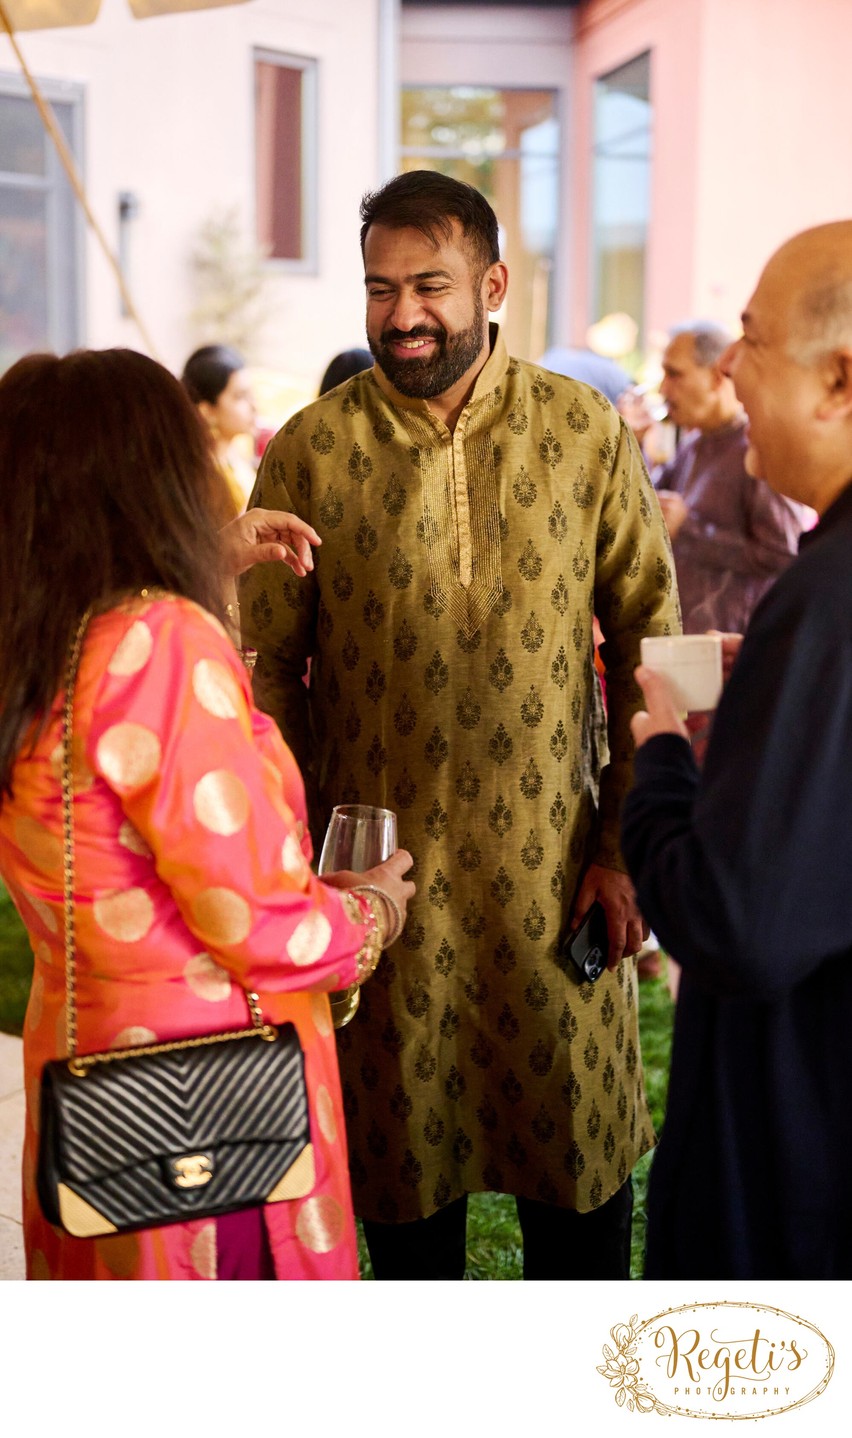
[{"x": 192, "y": 883}]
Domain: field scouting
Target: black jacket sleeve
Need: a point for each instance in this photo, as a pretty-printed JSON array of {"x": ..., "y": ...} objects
[{"x": 745, "y": 871}]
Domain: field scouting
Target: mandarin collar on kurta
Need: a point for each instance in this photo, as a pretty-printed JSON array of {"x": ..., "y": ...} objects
[{"x": 487, "y": 380}]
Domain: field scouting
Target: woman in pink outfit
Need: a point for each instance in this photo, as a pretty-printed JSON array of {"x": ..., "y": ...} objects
[{"x": 192, "y": 869}]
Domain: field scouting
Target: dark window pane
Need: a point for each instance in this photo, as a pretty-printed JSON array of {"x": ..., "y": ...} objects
[{"x": 279, "y": 160}]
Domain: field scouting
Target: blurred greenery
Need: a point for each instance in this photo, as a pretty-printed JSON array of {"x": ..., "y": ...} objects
[
  {"x": 16, "y": 967},
  {"x": 494, "y": 1247}
]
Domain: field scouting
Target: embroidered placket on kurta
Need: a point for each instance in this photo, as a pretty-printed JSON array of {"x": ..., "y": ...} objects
[{"x": 461, "y": 517}]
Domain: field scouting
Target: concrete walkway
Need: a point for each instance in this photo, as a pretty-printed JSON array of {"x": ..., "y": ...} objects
[{"x": 11, "y": 1140}]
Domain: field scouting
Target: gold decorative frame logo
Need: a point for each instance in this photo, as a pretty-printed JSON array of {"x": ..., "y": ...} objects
[{"x": 721, "y": 1360}]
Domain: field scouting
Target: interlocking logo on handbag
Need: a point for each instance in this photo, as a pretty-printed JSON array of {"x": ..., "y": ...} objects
[{"x": 191, "y": 1170}]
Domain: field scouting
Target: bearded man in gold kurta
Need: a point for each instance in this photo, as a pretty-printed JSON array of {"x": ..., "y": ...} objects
[{"x": 475, "y": 513}]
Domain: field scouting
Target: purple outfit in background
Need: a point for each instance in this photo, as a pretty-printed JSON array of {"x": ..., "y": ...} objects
[{"x": 738, "y": 536}]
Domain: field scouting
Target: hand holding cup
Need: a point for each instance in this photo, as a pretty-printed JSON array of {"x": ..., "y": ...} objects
[{"x": 692, "y": 664}]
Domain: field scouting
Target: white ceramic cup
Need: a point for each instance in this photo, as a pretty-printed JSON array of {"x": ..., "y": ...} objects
[{"x": 692, "y": 663}]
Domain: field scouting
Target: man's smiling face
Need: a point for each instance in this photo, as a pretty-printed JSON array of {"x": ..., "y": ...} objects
[
  {"x": 426, "y": 320},
  {"x": 780, "y": 394}
]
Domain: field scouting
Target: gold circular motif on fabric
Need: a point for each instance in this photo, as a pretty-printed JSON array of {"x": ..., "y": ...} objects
[
  {"x": 44, "y": 912},
  {"x": 133, "y": 1037},
  {"x": 130, "y": 838},
  {"x": 221, "y": 802},
  {"x": 133, "y": 650},
  {"x": 216, "y": 689},
  {"x": 119, "y": 1254},
  {"x": 293, "y": 860},
  {"x": 325, "y": 1114},
  {"x": 321, "y": 1015},
  {"x": 207, "y": 979},
  {"x": 43, "y": 849},
  {"x": 124, "y": 914},
  {"x": 320, "y": 1223},
  {"x": 39, "y": 1267},
  {"x": 202, "y": 1251},
  {"x": 32, "y": 1091},
  {"x": 129, "y": 754},
  {"x": 310, "y": 939},
  {"x": 28, "y": 1177},
  {"x": 35, "y": 1007},
  {"x": 223, "y": 916}
]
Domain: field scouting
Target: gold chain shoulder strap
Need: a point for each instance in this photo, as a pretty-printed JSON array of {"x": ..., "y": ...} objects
[
  {"x": 79, "y": 1065},
  {"x": 68, "y": 834}
]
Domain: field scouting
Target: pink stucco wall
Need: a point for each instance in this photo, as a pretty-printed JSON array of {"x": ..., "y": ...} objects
[
  {"x": 752, "y": 117},
  {"x": 776, "y": 121}
]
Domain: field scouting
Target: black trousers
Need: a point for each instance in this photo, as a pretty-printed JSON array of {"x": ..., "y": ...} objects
[{"x": 558, "y": 1243}]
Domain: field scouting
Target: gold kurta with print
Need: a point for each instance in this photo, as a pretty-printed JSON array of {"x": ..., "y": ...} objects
[{"x": 450, "y": 627}]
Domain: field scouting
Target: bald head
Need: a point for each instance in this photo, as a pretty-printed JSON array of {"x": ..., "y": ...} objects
[
  {"x": 792, "y": 369},
  {"x": 814, "y": 270}
]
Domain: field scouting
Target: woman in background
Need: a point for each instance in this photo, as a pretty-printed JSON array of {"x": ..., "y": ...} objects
[
  {"x": 344, "y": 366},
  {"x": 217, "y": 381},
  {"x": 192, "y": 878}
]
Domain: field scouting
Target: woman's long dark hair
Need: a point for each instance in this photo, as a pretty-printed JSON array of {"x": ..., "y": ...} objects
[{"x": 107, "y": 485}]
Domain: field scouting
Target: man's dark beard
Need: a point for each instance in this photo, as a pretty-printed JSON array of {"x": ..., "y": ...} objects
[{"x": 424, "y": 379}]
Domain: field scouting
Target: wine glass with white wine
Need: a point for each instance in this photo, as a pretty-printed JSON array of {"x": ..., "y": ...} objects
[{"x": 359, "y": 837}]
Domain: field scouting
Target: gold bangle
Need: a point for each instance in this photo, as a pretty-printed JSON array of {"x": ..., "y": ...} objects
[
  {"x": 392, "y": 927},
  {"x": 370, "y": 951}
]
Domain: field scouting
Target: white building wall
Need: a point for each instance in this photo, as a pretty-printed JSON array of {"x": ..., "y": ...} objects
[{"x": 169, "y": 116}]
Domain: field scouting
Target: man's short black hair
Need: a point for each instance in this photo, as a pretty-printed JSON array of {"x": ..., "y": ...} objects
[{"x": 428, "y": 201}]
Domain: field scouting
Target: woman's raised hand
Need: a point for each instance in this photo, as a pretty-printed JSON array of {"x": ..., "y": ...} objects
[{"x": 261, "y": 536}]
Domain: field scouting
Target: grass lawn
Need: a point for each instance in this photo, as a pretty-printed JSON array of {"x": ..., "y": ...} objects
[
  {"x": 16, "y": 967},
  {"x": 493, "y": 1235}
]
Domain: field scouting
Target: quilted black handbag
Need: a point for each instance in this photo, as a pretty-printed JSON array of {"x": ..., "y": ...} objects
[{"x": 134, "y": 1138}]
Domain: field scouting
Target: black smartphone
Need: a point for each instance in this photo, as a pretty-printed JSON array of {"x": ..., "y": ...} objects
[{"x": 584, "y": 950}]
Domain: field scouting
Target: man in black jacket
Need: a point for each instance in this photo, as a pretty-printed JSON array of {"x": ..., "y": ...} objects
[{"x": 745, "y": 871}]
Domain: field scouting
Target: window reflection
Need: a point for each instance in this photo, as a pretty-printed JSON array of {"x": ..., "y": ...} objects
[
  {"x": 621, "y": 190},
  {"x": 506, "y": 144}
]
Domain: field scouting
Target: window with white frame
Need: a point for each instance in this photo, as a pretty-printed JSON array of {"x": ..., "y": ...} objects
[
  {"x": 621, "y": 189},
  {"x": 40, "y": 227},
  {"x": 285, "y": 158}
]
